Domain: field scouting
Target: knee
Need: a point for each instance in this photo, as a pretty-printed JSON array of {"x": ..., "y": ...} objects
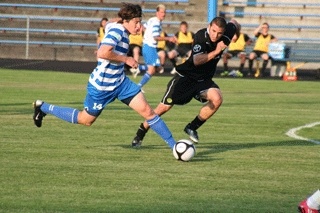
[
  {"x": 216, "y": 101},
  {"x": 85, "y": 119}
]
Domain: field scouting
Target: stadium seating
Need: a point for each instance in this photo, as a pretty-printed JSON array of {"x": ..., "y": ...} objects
[
  {"x": 73, "y": 23},
  {"x": 49, "y": 26},
  {"x": 272, "y": 4},
  {"x": 72, "y": 7},
  {"x": 294, "y": 22}
]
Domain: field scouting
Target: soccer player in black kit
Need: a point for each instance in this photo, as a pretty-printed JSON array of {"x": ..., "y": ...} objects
[{"x": 194, "y": 77}]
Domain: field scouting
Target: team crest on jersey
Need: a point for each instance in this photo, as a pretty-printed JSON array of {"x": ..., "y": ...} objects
[
  {"x": 196, "y": 48},
  {"x": 169, "y": 100}
]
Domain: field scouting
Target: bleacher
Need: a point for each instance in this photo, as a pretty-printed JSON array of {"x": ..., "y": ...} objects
[
  {"x": 286, "y": 19},
  {"x": 295, "y": 23},
  {"x": 50, "y": 24},
  {"x": 67, "y": 26}
]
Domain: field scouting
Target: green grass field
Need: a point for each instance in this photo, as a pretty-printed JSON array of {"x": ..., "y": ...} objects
[{"x": 245, "y": 162}]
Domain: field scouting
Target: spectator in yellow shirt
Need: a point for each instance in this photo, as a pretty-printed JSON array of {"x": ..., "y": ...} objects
[{"x": 261, "y": 48}]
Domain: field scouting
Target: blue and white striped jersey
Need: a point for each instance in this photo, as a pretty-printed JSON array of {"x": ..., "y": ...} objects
[
  {"x": 110, "y": 74},
  {"x": 153, "y": 29}
]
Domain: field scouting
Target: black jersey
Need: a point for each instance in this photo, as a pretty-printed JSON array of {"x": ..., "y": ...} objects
[{"x": 203, "y": 44}]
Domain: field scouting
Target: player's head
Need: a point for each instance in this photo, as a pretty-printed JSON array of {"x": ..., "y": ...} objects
[
  {"x": 184, "y": 27},
  {"x": 130, "y": 15},
  {"x": 161, "y": 12},
  {"x": 216, "y": 28},
  {"x": 265, "y": 28}
]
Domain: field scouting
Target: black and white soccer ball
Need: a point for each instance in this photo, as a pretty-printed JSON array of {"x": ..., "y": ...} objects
[{"x": 184, "y": 150}]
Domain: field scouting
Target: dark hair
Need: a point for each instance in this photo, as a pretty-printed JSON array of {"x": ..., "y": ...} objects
[
  {"x": 184, "y": 23},
  {"x": 129, "y": 11},
  {"x": 103, "y": 19},
  {"x": 265, "y": 23},
  {"x": 219, "y": 21}
]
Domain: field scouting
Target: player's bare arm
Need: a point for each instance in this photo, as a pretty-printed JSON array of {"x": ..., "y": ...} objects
[
  {"x": 172, "y": 39},
  {"x": 205, "y": 57},
  {"x": 106, "y": 52}
]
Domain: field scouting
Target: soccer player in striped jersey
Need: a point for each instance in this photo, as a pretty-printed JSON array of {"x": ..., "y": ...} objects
[
  {"x": 108, "y": 81},
  {"x": 150, "y": 41}
]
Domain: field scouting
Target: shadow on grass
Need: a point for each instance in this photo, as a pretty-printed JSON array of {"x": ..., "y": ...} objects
[{"x": 211, "y": 148}]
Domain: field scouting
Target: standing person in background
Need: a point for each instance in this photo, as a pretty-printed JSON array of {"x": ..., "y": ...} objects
[
  {"x": 101, "y": 32},
  {"x": 311, "y": 204},
  {"x": 150, "y": 41},
  {"x": 184, "y": 45},
  {"x": 194, "y": 78},
  {"x": 261, "y": 48},
  {"x": 108, "y": 81},
  {"x": 237, "y": 48}
]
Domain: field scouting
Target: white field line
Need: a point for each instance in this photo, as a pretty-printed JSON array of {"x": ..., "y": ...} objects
[{"x": 292, "y": 132}]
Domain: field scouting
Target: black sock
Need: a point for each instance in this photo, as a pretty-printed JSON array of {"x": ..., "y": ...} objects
[
  {"x": 264, "y": 65},
  {"x": 241, "y": 67},
  {"x": 141, "y": 131},
  {"x": 173, "y": 61},
  {"x": 196, "y": 123},
  {"x": 225, "y": 65},
  {"x": 250, "y": 65}
]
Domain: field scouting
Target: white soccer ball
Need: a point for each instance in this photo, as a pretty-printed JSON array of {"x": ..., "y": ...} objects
[{"x": 184, "y": 150}]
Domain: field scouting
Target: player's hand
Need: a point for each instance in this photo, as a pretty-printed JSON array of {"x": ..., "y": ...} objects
[
  {"x": 173, "y": 39},
  {"x": 221, "y": 46},
  {"x": 131, "y": 62}
]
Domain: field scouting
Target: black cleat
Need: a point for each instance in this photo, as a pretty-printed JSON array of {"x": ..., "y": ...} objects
[
  {"x": 38, "y": 114},
  {"x": 136, "y": 142},
  {"x": 193, "y": 135}
]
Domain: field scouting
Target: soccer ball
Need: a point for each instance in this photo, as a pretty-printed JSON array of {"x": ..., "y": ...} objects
[{"x": 184, "y": 150}]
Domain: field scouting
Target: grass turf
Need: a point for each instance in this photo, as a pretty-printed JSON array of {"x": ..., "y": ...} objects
[{"x": 245, "y": 162}]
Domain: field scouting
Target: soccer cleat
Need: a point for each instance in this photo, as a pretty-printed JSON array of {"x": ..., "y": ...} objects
[
  {"x": 161, "y": 70},
  {"x": 304, "y": 208},
  {"x": 38, "y": 114},
  {"x": 136, "y": 142},
  {"x": 193, "y": 135},
  {"x": 135, "y": 72},
  {"x": 239, "y": 74},
  {"x": 225, "y": 73},
  {"x": 173, "y": 71}
]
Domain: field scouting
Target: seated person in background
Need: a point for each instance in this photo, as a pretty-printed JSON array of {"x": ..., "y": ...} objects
[
  {"x": 183, "y": 48},
  {"x": 236, "y": 49},
  {"x": 135, "y": 50},
  {"x": 261, "y": 48}
]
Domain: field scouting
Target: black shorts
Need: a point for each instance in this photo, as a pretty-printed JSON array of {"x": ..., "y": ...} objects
[
  {"x": 181, "y": 90},
  {"x": 182, "y": 51},
  {"x": 259, "y": 53},
  {"x": 235, "y": 53},
  {"x": 131, "y": 47}
]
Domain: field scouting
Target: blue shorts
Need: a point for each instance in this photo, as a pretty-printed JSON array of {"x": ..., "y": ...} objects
[
  {"x": 125, "y": 92},
  {"x": 150, "y": 55}
]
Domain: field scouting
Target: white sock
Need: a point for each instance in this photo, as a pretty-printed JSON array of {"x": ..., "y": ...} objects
[{"x": 313, "y": 202}]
